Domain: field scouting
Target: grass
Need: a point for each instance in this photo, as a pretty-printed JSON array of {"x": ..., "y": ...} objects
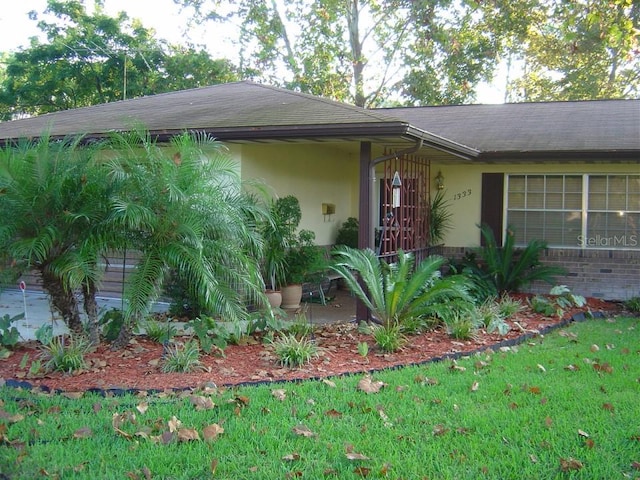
[{"x": 562, "y": 406}]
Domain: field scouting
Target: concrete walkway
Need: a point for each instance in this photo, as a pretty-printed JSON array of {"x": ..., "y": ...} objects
[{"x": 35, "y": 305}]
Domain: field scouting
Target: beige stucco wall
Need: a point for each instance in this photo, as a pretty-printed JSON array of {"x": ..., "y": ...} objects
[
  {"x": 463, "y": 188},
  {"x": 314, "y": 173}
]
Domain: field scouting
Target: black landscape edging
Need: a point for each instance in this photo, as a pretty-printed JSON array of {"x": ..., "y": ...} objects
[{"x": 115, "y": 392}]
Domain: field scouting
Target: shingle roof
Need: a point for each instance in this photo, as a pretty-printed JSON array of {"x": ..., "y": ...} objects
[
  {"x": 244, "y": 105},
  {"x": 246, "y": 111},
  {"x": 588, "y": 126}
]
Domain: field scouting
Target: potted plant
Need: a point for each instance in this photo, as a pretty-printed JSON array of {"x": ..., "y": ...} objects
[
  {"x": 278, "y": 232},
  {"x": 289, "y": 258},
  {"x": 303, "y": 262}
]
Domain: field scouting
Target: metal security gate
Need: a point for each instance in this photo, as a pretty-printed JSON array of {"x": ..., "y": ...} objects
[{"x": 404, "y": 207}]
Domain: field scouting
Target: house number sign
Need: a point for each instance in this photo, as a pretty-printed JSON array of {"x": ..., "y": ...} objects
[{"x": 462, "y": 194}]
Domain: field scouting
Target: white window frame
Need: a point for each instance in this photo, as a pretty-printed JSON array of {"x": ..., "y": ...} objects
[{"x": 613, "y": 242}]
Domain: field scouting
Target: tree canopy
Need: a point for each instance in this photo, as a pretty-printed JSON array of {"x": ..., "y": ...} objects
[
  {"x": 94, "y": 58},
  {"x": 369, "y": 52}
]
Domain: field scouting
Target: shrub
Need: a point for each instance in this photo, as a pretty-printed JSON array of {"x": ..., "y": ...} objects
[
  {"x": 388, "y": 337},
  {"x": 9, "y": 335},
  {"x": 461, "y": 325},
  {"x": 158, "y": 331},
  {"x": 633, "y": 304},
  {"x": 348, "y": 233},
  {"x": 508, "y": 306},
  {"x": 397, "y": 293},
  {"x": 182, "y": 358},
  {"x": 294, "y": 352},
  {"x": 111, "y": 322},
  {"x": 507, "y": 268},
  {"x": 66, "y": 354}
]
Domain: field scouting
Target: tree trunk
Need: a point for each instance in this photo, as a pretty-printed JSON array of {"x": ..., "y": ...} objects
[
  {"x": 63, "y": 300},
  {"x": 91, "y": 309},
  {"x": 123, "y": 337}
]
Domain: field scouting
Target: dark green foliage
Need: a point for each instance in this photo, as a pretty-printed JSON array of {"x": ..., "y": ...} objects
[
  {"x": 507, "y": 268},
  {"x": 633, "y": 304},
  {"x": 111, "y": 322},
  {"x": 348, "y": 233},
  {"x": 397, "y": 293},
  {"x": 66, "y": 354},
  {"x": 439, "y": 218},
  {"x": 9, "y": 335}
]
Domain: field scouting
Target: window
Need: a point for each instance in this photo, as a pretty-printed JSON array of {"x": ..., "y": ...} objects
[{"x": 584, "y": 211}]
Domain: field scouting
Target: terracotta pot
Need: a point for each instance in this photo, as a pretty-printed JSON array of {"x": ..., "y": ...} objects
[
  {"x": 274, "y": 297},
  {"x": 291, "y": 296}
]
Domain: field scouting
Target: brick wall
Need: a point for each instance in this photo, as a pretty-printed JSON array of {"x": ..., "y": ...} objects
[{"x": 606, "y": 274}]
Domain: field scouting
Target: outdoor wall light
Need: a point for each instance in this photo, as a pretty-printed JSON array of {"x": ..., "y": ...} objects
[
  {"x": 396, "y": 183},
  {"x": 439, "y": 181}
]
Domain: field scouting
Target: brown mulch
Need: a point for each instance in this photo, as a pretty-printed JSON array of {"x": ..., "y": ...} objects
[{"x": 137, "y": 367}]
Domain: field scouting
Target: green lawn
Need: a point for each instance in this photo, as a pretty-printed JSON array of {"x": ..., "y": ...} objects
[{"x": 563, "y": 406}]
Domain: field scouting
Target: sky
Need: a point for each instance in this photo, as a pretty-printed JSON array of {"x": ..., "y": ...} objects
[{"x": 162, "y": 15}]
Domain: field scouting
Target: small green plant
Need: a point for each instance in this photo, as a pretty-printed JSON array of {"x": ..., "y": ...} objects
[
  {"x": 389, "y": 337},
  {"x": 363, "y": 349},
  {"x": 461, "y": 325},
  {"x": 293, "y": 351},
  {"x": 542, "y": 305},
  {"x": 35, "y": 369},
  {"x": 160, "y": 332},
  {"x": 209, "y": 334},
  {"x": 66, "y": 354},
  {"x": 111, "y": 322},
  {"x": 9, "y": 335},
  {"x": 44, "y": 334},
  {"x": 300, "y": 327},
  {"x": 566, "y": 299},
  {"x": 633, "y": 304},
  {"x": 509, "y": 306},
  {"x": 182, "y": 358}
]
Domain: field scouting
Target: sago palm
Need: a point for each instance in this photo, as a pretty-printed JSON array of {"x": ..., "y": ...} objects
[{"x": 397, "y": 292}]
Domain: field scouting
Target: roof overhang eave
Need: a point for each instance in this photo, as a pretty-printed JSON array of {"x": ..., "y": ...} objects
[{"x": 560, "y": 156}]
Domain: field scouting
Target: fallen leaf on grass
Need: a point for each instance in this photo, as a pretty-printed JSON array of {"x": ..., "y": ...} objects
[
  {"x": 174, "y": 424},
  {"x": 187, "y": 434},
  {"x": 211, "y": 432},
  {"x": 11, "y": 418},
  {"x": 474, "y": 387},
  {"x": 142, "y": 407},
  {"x": 214, "y": 466},
  {"x": 279, "y": 394},
  {"x": 362, "y": 471},
  {"x": 356, "y": 456},
  {"x": 439, "y": 430},
  {"x": 333, "y": 413},
  {"x": 291, "y": 457},
  {"x": 608, "y": 406},
  {"x": 582, "y": 433},
  {"x": 329, "y": 383},
  {"x": 367, "y": 385},
  {"x": 201, "y": 403},
  {"x": 84, "y": 432},
  {"x": 303, "y": 431},
  {"x": 635, "y": 465},
  {"x": 568, "y": 464}
]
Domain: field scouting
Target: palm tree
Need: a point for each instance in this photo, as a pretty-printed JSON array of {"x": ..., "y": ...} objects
[
  {"x": 51, "y": 199},
  {"x": 397, "y": 292},
  {"x": 184, "y": 209}
]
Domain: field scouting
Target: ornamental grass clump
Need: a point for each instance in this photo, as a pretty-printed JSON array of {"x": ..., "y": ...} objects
[
  {"x": 182, "y": 358},
  {"x": 66, "y": 354},
  {"x": 294, "y": 351}
]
